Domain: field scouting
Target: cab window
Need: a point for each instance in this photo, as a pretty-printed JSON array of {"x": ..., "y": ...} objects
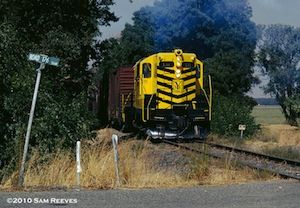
[{"x": 146, "y": 70}]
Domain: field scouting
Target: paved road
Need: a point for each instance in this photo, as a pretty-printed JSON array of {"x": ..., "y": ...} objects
[{"x": 281, "y": 194}]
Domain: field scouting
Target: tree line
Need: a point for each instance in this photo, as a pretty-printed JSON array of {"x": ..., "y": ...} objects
[{"x": 66, "y": 29}]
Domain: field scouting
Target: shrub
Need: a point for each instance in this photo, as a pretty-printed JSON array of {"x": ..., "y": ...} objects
[{"x": 229, "y": 112}]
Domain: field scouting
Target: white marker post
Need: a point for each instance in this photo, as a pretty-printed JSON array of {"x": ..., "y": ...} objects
[
  {"x": 43, "y": 60},
  {"x": 242, "y": 128},
  {"x": 78, "y": 165},
  {"x": 116, "y": 156}
]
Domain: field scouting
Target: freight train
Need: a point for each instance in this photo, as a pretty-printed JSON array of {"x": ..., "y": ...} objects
[{"x": 166, "y": 95}]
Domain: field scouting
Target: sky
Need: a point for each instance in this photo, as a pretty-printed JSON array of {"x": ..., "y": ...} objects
[{"x": 264, "y": 12}]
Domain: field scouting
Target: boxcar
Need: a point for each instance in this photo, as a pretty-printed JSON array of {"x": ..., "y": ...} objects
[{"x": 121, "y": 86}]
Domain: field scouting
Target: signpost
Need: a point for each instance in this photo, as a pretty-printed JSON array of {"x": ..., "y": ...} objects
[
  {"x": 43, "y": 60},
  {"x": 242, "y": 128}
]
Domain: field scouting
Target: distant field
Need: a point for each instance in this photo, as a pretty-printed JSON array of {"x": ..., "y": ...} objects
[{"x": 268, "y": 114}]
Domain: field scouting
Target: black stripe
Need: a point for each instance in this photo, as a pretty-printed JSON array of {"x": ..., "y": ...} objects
[
  {"x": 165, "y": 101},
  {"x": 164, "y": 85},
  {"x": 188, "y": 70},
  {"x": 165, "y": 77},
  {"x": 189, "y": 85},
  {"x": 189, "y": 77},
  {"x": 166, "y": 69},
  {"x": 171, "y": 102},
  {"x": 176, "y": 96}
]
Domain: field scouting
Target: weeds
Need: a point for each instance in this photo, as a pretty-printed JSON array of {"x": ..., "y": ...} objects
[
  {"x": 266, "y": 138},
  {"x": 232, "y": 141},
  {"x": 284, "y": 152},
  {"x": 200, "y": 167}
]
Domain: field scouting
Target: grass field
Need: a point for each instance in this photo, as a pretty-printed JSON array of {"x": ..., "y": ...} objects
[{"x": 268, "y": 114}]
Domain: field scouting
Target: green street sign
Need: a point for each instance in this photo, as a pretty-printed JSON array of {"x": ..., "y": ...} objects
[{"x": 43, "y": 59}]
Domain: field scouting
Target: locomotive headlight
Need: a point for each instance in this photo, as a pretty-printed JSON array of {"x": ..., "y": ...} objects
[{"x": 177, "y": 73}]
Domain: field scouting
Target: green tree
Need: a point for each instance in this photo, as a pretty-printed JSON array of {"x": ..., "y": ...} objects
[
  {"x": 230, "y": 112},
  {"x": 279, "y": 57},
  {"x": 108, "y": 59},
  {"x": 137, "y": 39},
  {"x": 66, "y": 29},
  {"x": 220, "y": 32},
  {"x": 9, "y": 52}
]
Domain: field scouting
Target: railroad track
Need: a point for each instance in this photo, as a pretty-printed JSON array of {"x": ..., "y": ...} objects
[{"x": 281, "y": 166}]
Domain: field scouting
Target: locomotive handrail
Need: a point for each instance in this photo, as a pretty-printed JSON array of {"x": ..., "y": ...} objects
[
  {"x": 122, "y": 107},
  {"x": 210, "y": 96},
  {"x": 209, "y": 99},
  {"x": 150, "y": 100},
  {"x": 127, "y": 99},
  {"x": 124, "y": 104},
  {"x": 140, "y": 86},
  {"x": 206, "y": 97},
  {"x": 143, "y": 110}
]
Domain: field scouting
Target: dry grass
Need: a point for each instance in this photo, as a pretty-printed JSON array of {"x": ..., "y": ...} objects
[
  {"x": 283, "y": 134},
  {"x": 277, "y": 139},
  {"x": 139, "y": 168},
  {"x": 284, "y": 152},
  {"x": 136, "y": 169}
]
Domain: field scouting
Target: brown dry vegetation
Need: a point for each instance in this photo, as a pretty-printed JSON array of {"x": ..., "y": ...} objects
[
  {"x": 282, "y": 140},
  {"x": 142, "y": 165},
  {"x": 277, "y": 139},
  {"x": 284, "y": 134}
]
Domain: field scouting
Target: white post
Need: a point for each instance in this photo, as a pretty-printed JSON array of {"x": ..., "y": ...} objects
[
  {"x": 116, "y": 156},
  {"x": 78, "y": 165},
  {"x": 242, "y": 134},
  {"x": 36, "y": 90}
]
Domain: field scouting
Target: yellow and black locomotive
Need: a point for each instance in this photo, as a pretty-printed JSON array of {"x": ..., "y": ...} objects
[{"x": 172, "y": 97}]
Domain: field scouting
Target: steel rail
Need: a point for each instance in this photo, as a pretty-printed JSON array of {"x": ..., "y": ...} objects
[
  {"x": 269, "y": 157},
  {"x": 244, "y": 163}
]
